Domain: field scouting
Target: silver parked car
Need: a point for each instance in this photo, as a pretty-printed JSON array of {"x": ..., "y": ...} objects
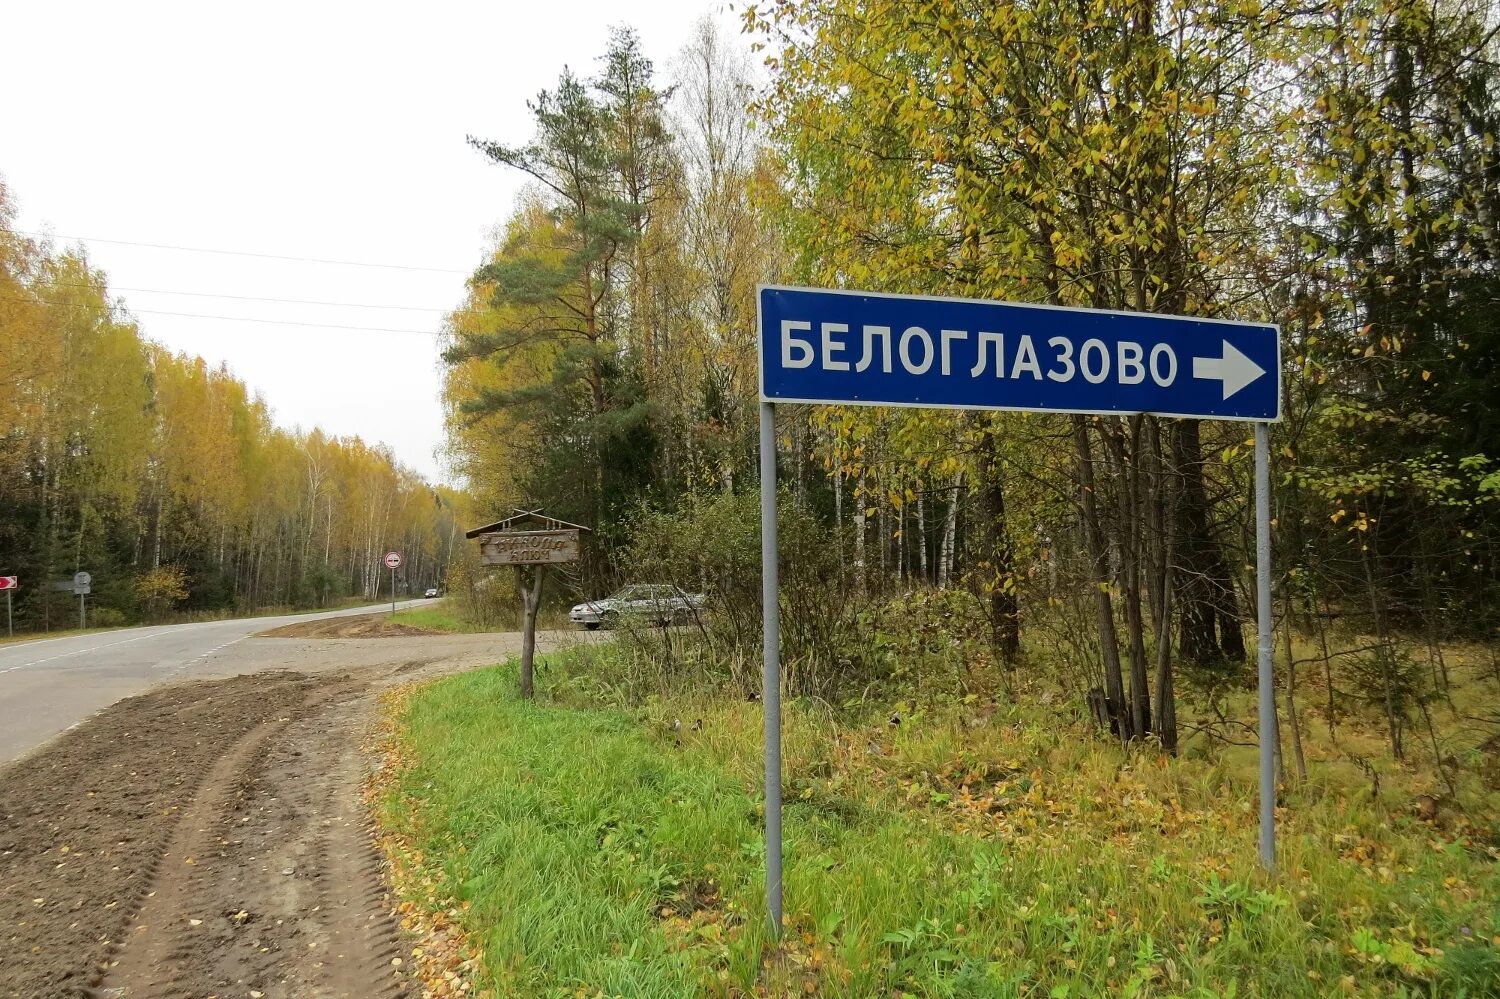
[{"x": 654, "y": 603}]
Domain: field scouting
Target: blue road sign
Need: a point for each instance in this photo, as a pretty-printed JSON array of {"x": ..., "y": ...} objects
[{"x": 862, "y": 348}]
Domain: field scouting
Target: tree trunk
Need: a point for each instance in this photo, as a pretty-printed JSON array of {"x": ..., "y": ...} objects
[
  {"x": 859, "y": 534},
  {"x": 1387, "y": 651},
  {"x": 922, "y": 538},
  {"x": 1098, "y": 551},
  {"x": 902, "y": 559},
  {"x": 1209, "y": 629},
  {"x": 838, "y": 496},
  {"x": 1291, "y": 694},
  {"x": 1127, "y": 472},
  {"x": 995, "y": 570},
  {"x": 950, "y": 533},
  {"x": 1166, "y": 695}
]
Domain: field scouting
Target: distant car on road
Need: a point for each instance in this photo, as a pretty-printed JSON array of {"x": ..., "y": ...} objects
[
  {"x": 431, "y": 592},
  {"x": 651, "y": 602}
]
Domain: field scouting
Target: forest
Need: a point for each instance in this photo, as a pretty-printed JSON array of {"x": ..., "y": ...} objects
[
  {"x": 167, "y": 479},
  {"x": 1333, "y": 168}
]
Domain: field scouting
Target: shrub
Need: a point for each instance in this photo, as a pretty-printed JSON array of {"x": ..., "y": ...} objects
[
  {"x": 106, "y": 617},
  {"x": 161, "y": 588},
  {"x": 712, "y": 545}
]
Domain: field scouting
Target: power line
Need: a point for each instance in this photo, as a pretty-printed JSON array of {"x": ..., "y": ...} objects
[
  {"x": 281, "y": 301},
  {"x": 235, "y": 319},
  {"x": 288, "y": 301},
  {"x": 235, "y": 253}
]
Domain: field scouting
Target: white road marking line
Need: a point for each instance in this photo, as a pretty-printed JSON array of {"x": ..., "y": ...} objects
[
  {"x": 80, "y": 652},
  {"x": 169, "y": 629},
  {"x": 43, "y": 641},
  {"x": 156, "y": 629},
  {"x": 201, "y": 658}
]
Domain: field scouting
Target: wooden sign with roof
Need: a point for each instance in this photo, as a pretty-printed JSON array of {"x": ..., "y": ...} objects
[
  {"x": 527, "y": 537},
  {"x": 530, "y": 542}
]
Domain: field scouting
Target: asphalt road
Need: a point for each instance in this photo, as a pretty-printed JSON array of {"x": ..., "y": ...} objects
[{"x": 50, "y": 685}]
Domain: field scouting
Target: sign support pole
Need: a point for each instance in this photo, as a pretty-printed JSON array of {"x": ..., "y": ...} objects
[
  {"x": 771, "y": 677},
  {"x": 81, "y": 599},
  {"x": 393, "y": 591},
  {"x": 10, "y": 625},
  {"x": 1264, "y": 646},
  {"x": 531, "y": 601}
]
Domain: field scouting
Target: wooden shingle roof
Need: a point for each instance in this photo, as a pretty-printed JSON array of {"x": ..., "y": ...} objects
[{"x": 526, "y": 520}]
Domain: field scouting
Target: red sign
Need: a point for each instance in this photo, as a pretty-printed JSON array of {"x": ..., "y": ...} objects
[
  {"x": 9, "y": 582},
  {"x": 393, "y": 560}
]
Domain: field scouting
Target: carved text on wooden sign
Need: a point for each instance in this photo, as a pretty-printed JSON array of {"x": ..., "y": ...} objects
[{"x": 528, "y": 547}]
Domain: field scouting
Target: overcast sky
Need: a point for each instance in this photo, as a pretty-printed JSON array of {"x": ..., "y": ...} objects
[{"x": 309, "y": 129}]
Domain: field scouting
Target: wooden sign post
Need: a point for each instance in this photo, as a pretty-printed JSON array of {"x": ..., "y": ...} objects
[{"x": 530, "y": 542}]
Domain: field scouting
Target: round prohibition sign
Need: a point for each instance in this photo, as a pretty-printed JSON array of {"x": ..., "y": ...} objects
[{"x": 393, "y": 560}]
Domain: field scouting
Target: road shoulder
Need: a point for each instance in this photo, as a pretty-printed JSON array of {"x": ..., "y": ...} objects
[{"x": 205, "y": 838}]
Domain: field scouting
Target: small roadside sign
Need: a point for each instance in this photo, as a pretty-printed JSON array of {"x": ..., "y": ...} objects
[
  {"x": 81, "y": 588},
  {"x": 393, "y": 562},
  {"x": 9, "y": 582}
]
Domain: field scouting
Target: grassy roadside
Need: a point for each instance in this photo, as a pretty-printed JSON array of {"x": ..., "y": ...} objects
[
  {"x": 22, "y": 637},
  {"x": 441, "y": 615},
  {"x": 436, "y": 616},
  {"x": 980, "y": 851}
]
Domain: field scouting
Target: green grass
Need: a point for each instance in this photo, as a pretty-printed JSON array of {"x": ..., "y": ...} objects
[
  {"x": 440, "y": 615},
  {"x": 600, "y": 852},
  {"x": 446, "y": 615},
  {"x": 436, "y": 616}
]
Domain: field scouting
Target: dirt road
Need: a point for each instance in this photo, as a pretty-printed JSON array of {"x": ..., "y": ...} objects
[
  {"x": 49, "y": 684},
  {"x": 208, "y": 838}
]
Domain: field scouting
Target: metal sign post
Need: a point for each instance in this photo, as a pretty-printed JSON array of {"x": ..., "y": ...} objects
[
  {"x": 851, "y": 348},
  {"x": 82, "y": 583},
  {"x": 9, "y": 584},
  {"x": 770, "y": 587},
  {"x": 1263, "y": 648},
  {"x": 393, "y": 562}
]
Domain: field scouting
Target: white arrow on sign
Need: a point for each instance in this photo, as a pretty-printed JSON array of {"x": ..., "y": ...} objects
[{"x": 1234, "y": 369}]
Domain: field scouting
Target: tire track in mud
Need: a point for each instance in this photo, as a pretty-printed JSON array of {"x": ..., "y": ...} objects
[
  {"x": 154, "y": 950},
  {"x": 83, "y": 822},
  {"x": 212, "y": 842}
]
